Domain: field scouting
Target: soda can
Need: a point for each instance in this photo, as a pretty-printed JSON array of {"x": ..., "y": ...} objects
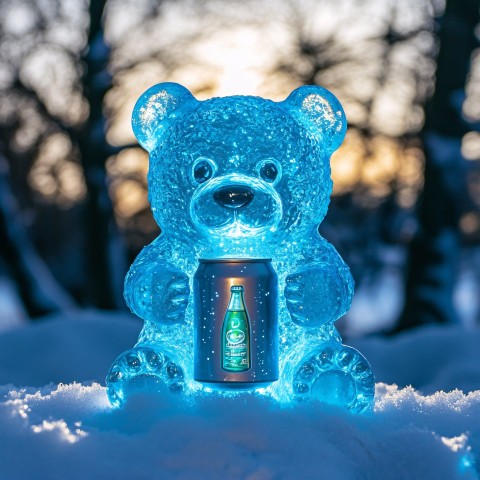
[{"x": 235, "y": 323}]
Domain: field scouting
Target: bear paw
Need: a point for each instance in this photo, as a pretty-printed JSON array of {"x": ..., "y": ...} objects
[
  {"x": 157, "y": 293},
  {"x": 142, "y": 366},
  {"x": 335, "y": 374}
]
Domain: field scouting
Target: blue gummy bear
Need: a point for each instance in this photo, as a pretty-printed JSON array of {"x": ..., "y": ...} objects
[{"x": 281, "y": 152}]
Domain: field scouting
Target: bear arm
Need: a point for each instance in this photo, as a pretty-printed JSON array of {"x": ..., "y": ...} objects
[
  {"x": 320, "y": 291},
  {"x": 155, "y": 290}
]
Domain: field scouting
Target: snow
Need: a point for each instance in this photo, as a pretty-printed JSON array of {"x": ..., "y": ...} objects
[
  {"x": 56, "y": 423},
  {"x": 431, "y": 358}
]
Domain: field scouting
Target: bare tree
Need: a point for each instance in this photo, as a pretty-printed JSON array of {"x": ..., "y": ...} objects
[
  {"x": 39, "y": 290},
  {"x": 53, "y": 78},
  {"x": 106, "y": 257},
  {"x": 434, "y": 252}
]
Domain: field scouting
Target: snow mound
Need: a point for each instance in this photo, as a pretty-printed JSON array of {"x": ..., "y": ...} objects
[
  {"x": 430, "y": 358},
  {"x": 65, "y": 349},
  {"x": 67, "y": 429},
  {"x": 70, "y": 431}
]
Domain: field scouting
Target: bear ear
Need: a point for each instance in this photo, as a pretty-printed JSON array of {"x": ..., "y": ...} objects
[
  {"x": 322, "y": 112},
  {"x": 157, "y": 109}
]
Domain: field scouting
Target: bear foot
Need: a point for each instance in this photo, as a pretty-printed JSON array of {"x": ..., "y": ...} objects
[
  {"x": 142, "y": 367},
  {"x": 335, "y": 374}
]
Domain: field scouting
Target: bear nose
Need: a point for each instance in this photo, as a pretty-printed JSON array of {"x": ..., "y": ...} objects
[{"x": 233, "y": 196}]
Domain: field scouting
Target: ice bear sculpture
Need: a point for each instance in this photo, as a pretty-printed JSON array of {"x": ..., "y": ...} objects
[{"x": 271, "y": 160}]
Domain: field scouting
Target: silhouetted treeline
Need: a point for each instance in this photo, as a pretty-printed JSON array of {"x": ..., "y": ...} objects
[{"x": 73, "y": 205}]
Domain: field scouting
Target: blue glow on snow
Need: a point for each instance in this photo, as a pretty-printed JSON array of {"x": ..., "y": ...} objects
[
  {"x": 279, "y": 151},
  {"x": 467, "y": 463}
]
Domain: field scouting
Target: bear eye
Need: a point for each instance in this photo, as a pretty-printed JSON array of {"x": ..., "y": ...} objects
[
  {"x": 269, "y": 171},
  {"x": 203, "y": 170}
]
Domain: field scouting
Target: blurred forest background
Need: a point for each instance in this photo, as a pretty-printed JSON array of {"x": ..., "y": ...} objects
[{"x": 405, "y": 213}]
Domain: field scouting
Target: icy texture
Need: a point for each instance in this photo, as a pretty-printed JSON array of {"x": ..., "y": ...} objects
[{"x": 275, "y": 158}]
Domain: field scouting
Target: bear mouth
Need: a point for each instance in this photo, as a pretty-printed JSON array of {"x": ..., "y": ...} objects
[{"x": 236, "y": 206}]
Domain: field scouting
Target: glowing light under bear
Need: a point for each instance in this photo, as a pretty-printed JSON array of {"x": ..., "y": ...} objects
[{"x": 279, "y": 152}]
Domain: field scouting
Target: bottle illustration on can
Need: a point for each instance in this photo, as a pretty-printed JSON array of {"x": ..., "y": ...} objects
[
  {"x": 235, "y": 323},
  {"x": 236, "y": 333}
]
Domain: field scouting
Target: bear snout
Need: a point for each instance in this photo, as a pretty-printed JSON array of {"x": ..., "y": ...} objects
[{"x": 233, "y": 196}]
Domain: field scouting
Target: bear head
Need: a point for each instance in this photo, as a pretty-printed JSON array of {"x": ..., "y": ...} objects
[{"x": 240, "y": 166}]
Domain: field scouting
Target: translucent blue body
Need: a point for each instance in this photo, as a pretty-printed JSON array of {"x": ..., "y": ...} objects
[{"x": 242, "y": 177}]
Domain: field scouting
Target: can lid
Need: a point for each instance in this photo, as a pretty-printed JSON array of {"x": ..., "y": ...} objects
[{"x": 234, "y": 260}]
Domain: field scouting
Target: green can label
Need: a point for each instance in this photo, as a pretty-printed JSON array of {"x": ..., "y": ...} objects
[{"x": 236, "y": 334}]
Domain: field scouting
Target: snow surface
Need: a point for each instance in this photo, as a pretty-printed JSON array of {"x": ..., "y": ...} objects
[{"x": 67, "y": 430}]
